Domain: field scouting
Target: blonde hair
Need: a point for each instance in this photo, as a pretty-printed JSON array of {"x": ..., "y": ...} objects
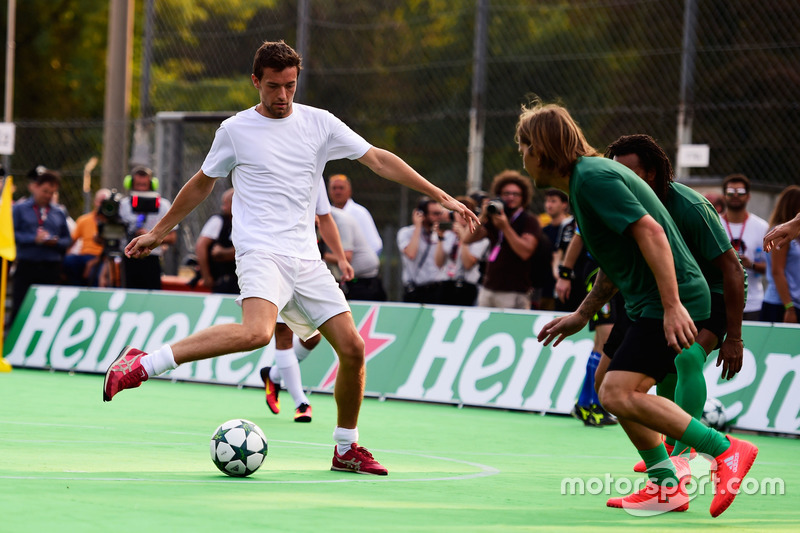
[{"x": 553, "y": 137}]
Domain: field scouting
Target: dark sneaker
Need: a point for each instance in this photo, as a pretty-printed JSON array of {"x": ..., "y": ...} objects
[
  {"x": 732, "y": 465},
  {"x": 303, "y": 413},
  {"x": 358, "y": 460},
  {"x": 271, "y": 389},
  {"x": 126, "y": 372},
  {"x": 581, "y": 413},
  {"x": 600, "y": 417}
]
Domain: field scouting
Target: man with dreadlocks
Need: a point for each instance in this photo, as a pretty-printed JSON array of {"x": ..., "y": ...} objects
[{"x": 699, "y": 225}]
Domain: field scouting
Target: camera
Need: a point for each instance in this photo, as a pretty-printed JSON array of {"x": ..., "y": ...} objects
[
  {"x": 112, "y": 230},
  {"x": 495, "y": 207},
  {"x": 145, "y": 202},
  {"x": 447, "y": 224}
]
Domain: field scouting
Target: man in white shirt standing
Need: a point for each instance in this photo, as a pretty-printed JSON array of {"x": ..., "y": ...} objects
[
  {"x": 275, "y": 153},
  {"x": 341, "y": 192},
  {"x": 746, "y": 232}
]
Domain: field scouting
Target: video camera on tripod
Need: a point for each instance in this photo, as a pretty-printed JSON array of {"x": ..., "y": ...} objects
[{"x": 112, "y": 229}]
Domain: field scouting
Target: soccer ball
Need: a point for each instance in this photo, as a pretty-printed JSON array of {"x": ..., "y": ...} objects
[
  {"x": 714, "y": 414},
  {"x": 238, "y": 447}
]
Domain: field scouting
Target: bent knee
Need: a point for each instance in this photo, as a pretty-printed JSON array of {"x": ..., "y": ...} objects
[{"x": 254, "y": 340}]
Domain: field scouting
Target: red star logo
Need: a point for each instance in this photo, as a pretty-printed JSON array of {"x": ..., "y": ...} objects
[{"x": 374, "y": 343}]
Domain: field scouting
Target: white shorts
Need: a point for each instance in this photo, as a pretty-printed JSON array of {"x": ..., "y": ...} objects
[{"x": 304, "y": 291}]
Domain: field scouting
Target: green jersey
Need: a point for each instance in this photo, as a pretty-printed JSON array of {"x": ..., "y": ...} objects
[
  {"x": 606, "y": 198},
  {"x": 698, "y": 222}
]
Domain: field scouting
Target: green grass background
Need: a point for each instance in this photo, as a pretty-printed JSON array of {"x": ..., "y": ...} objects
[{"x": 69, "y": 462}]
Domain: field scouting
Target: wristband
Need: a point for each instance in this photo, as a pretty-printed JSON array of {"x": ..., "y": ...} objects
[
  {"x": 788, "y": 306},
  {"x": 565, "y": 272}
]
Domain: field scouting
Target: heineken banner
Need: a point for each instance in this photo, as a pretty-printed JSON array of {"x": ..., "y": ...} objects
[{"x": 461, "y": 355}]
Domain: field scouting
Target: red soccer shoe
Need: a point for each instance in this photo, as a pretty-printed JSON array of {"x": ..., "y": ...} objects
[
  {"x": 732, "y": 465},
  {"x": 358, "y": 460},
  {"x": 655, "y": 499},
  {"x": 271, "y": 389},
  {"x": 126, "y": 372}
]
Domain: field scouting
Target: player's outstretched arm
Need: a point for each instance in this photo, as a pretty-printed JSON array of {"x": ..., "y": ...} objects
[
  {"x": 389, "y": 166},
  {"x": 679, "y": 328},
  {"x": 782, "y": 234},
  {"x": 190, "y": 196}
]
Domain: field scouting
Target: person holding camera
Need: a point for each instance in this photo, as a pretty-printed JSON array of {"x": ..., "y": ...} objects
[
  {"x": 422, "y": 278},
  {"x": 459, "y": 260},
  {"x": 141, "y": 211},
  {"x": 216, "y": 255},
  {"x": 42, "y": 237},
  {"x": 513, "y": 235}
]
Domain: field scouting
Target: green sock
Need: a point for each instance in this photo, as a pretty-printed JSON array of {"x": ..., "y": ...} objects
[
  {"x": 666, "y": 389},
  {"x": 705, "y": 439},
  {"x": 659, "y": 468},
  {"x": 690, "y": 388}
]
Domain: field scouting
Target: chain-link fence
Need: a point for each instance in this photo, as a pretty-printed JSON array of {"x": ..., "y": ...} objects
[{"x": 400, "y": 72}]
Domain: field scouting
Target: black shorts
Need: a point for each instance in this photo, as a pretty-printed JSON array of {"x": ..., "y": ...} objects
[
  {"x": 644, "y": 349},
  {"x": 717, "y": 323},
  {"x": 621, "y": 325}
]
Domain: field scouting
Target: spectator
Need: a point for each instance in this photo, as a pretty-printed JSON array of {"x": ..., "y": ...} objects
[
  {"x": 216, "y": 255},
  {"x": 422, "y": 279},
  {"x": 83, "y": 265},
  {"x": 560, "y": 231},
  {"x": 366, "y": 283},
  {"x": 782, "y": 297},
  {"x": 341, "y": 193},
  {"x": 144, "y": 273},
  {"x": 42, "y": 237},
  {"x": 746, "y": 232},
  {"x": 461, "y": 262},
  {"x": 512, "y": 236}
]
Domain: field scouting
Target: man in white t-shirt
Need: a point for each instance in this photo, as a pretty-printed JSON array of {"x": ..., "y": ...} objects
[
  {"x": 341, "y": 192},
  {"x": 746, "y": 232},
  {"x": 275, "y": 153}
]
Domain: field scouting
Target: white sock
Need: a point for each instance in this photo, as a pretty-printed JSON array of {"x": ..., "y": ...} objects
[
  {"x": 286, "y": 361},
  {"x": 344, "y": 437},
  {"x": 160, "y": 361},
  {"x": 299, "y": 350},
  {"x": 275, "y": 374}
]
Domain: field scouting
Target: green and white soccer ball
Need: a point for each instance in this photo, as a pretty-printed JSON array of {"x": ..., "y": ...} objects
[
  {"x": 714, "y": 414},
  {"x": 238, "y": 447}
]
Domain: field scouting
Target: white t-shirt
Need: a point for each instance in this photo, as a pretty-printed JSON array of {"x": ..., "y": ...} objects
[
  {"x": 365, "y": 261},
  {"x": 364, "y": 219},
  {"x": 276, "y": 167},
  {"x": 422, "y": 270},
  {"x": 751, "y": 234}
]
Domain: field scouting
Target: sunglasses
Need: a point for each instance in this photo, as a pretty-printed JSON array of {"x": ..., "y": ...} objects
[{"x": 737, "y": 191}]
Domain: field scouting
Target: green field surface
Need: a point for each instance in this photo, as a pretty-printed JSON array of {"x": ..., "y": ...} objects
[{"x": 69, "y": 462}]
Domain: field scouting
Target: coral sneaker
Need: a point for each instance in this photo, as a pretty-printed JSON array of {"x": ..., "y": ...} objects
[
  {"x": 731, "y": 467},
  {"x": 657, "y": 499},
  {"x": 271, "y": 389},
  {"x": 358, "y": 460},
  {"x": 302, "y": 413},
  {"x": 642, "y": 468},
  {"x": 126, "y": 372}
]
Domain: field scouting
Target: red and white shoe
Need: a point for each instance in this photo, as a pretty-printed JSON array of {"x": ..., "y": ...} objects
[
  {"x": 271, "y": 390},
  {"x": 126, "y": 372},
  {"x": 655, "y": 499},
  {"x": 358, "y": 460},
  {"x": 642, "y": 468},
  {"x": 729, "y": 471}
]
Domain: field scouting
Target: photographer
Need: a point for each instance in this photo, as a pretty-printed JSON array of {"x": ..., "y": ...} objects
[
  {"x": 83, "y": 265},
  {"x": 513, "y": 236},
  {"x": 460, "y": 261},
  {"x": 140, "y": 212},
  {"x": 422, "y": 279}
]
